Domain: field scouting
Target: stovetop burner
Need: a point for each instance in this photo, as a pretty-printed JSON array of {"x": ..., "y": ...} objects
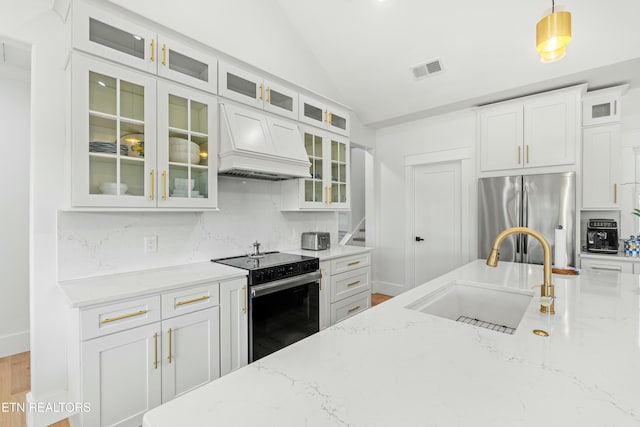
[{"x": 272, "y": 266}]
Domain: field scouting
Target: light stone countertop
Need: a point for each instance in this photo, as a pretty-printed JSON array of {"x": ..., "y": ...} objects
[
  {"x": 336, "y": 251},
  {"x": 114, "y": 287},
  {"x": 391, "y": 366}
]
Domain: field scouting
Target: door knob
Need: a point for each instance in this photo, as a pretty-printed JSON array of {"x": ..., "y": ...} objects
[{"x": 419, "y": 239}]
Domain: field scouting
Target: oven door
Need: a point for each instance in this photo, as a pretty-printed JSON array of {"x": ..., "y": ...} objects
[{"x": 283, "y": 312}]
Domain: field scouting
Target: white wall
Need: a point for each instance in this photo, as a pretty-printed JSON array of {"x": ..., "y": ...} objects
[
  {"x": 393, "y": 144},
  {"x": 14, "y": 215},
  {"x": 91, "y": 244}
]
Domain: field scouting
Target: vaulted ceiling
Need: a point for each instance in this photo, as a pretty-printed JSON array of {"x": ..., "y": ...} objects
[{"x": 486, "y": 48}]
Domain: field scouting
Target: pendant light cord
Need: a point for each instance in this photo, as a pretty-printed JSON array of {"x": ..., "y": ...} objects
[{"x": 553, "y": 6}]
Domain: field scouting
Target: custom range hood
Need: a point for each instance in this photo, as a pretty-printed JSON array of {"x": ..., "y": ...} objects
[{"x": 253, "y": 145}]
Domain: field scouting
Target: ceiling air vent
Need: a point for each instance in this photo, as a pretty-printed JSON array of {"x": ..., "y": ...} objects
[{"x": 427, "y": 68}]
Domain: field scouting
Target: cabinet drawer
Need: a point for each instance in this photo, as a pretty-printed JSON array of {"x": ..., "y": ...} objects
[
  {"x": 111, "y": 318},
  {"x": 606, "y": 265},
  {"x": 350, "y": 283},
  {"x": 350, "y": 306},
  {"x": 340, "y": 265},
  {"x": 188, "y": 300}
]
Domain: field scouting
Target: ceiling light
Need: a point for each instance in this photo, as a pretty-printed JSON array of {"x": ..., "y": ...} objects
[{"x": 553, "y": 34}]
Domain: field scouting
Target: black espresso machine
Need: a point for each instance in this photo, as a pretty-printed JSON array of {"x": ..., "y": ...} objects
[{"x": 602, "y": 236}]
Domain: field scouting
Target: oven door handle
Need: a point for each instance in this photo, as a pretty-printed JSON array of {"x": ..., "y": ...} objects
[{"x": 282, "y": 284}]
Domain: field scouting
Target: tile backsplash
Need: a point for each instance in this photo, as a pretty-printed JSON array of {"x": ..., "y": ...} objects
[{"x": 97, "y": 243}]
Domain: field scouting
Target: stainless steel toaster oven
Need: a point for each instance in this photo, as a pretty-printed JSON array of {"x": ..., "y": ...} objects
[{"x": 316, "y": 240}]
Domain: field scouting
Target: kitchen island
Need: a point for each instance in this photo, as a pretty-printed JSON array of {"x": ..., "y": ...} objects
[{"x": 391, "y": 365}]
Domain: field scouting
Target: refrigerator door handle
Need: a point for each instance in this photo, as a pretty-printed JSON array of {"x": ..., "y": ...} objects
[
  {"x": 518, "y": 219},
  {"x": 525, "y": 222}
]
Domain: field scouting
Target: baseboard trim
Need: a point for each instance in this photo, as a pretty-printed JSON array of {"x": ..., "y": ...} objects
[
  {"x": 14, "y": 343},
  {"x": 388, "y": 288}
]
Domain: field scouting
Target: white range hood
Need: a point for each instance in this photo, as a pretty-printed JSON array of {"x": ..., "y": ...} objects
[{"x": 253, "y": 145}]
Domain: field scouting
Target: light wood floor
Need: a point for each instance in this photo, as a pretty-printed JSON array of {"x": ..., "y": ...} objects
[
  {"x": 15, "y": 383},
  {"x": 379, "y": 298}
]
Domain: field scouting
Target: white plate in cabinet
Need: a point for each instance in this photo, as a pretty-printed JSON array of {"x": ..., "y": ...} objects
[
  {"x": 340, "y": 265},
  {"x": 189, "y": 300},
  {"x": 597, "y": 265},
  {"x": 350, "y": 283},
  {"x": 119, "y": 317},
  {"x": 350, "y": 307},
  {"x": 256, "y": 91}
]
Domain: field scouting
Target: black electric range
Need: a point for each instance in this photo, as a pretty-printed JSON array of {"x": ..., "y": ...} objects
[{"x": 271, "y": 266}]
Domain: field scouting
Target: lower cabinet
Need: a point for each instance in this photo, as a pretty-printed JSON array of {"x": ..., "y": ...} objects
[
  {"x": 234, "y": 326},
  {"x": 346, "y": 288},
  {"x": 144, "y": 355}
]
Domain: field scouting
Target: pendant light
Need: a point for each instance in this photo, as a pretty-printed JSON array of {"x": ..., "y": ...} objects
[{"x": 553, "y": 34}]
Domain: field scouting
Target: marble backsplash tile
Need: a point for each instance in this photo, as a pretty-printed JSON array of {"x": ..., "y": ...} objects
[{"x": 97, "y": 243}]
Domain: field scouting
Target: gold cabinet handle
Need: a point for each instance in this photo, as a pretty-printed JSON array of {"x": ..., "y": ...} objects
[
  {"x": 353, "y": 283},
  {"x": 615, "y": 193},
  {"x": 330, "y": 118},
  {"x": 155, "y": 351},
  {"x": 190, "y": 301},
  {"x": 170, "y": 345},
  {"x": 153, "y": 50},
  {"x": 244, "y": 299},
  {"x": 124, "y": 316},
  {"x": 353, "y": 309},
  {"x": 527, "y": 148},
  {"x": 326, "y": 195},
  {"x": 268, "y": 95},
  {"x": 164, "y": 185},
  {"x": 519, "y": 154},
  {"x": 164, "y": 54},
  {"x": 353, "y": 263},
  {"x": 153, "y": 184},
  {"x": 261, "y": 89}
]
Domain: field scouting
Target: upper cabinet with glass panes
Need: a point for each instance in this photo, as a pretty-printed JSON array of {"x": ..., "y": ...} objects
[
  {"x": 320, "y": 114},
  {"x": 602, "y": 106},
  {"x": 100, "y": 32},
  {"x": 257, "y": 91},
  {"x": 137, "y": 142}
]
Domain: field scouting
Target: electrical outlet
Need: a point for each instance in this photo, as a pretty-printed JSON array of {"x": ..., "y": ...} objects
[{"x": 150, "y": 244}]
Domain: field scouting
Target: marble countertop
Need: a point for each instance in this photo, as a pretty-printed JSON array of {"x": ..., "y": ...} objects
[
  {"x": 394, "y": 366},
  {"x": 109, "y": 288},
  {"x": 336, "y": 251}
]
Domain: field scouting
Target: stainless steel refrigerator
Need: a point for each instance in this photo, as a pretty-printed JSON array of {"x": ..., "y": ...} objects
[{"x": 540, "y": 202}]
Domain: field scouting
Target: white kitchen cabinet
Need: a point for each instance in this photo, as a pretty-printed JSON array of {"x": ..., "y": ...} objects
[
  {"x": 137, "y": 142},
  {"x": 325, "y": 297},
  {"x": 328, "y": 185},
  {"x": 601, "y": 167},
  {"x": 190, "y": 351},
  {"x": 602, "y": 106},
  {"x": 187, "y": 168},
  {"x": 234, "y": 325},
  {"x": 121, "y": 376},
  {"x": 320, "y": 114},
  {"x": 257, "y": 91},
  {"x": 349, "y": 281},
  {"x": 124, "y": 40},
  {"x": 532, "y": 132},
  {"x": 598, "y": 265}
]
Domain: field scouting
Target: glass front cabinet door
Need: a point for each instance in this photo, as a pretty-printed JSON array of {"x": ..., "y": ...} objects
[
  {"x": 328, "y": 184},
  {"x": 113, "y": 135},
  {"x": 187, "y": 155}
]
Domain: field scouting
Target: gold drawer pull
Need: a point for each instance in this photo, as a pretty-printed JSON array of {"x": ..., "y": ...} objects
[
  {"x": 179, "y": 303},
  {"x": 124, "y": 316},
  {"x": 353, "y": 283},
  {"x": 353, "y": 309},
  {"x": 353, "y": 263}
]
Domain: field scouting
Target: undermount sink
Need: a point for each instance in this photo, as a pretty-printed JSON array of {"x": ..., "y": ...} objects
[{"x": 479, "y": 304}]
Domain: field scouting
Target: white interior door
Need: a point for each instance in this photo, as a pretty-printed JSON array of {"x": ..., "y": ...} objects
[{"x": 437, "y": 246}]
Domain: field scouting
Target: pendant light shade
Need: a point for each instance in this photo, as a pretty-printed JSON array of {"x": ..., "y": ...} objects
[{"x": 553, "y": 34}]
